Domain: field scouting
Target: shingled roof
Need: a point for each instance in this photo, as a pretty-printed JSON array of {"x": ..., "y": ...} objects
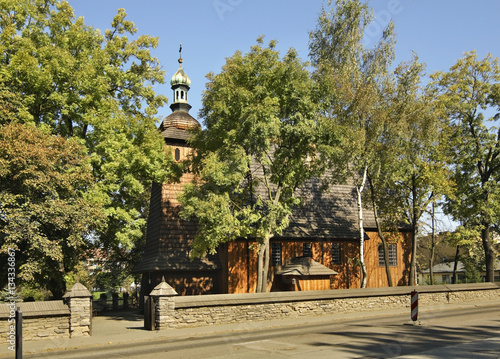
[
  {"x": 177, "y": 124},
  {"x": 175, "y": 259},
  {"x": 327, "y": 213}
]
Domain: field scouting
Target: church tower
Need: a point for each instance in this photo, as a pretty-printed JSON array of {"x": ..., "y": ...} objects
[{"x": 166, "y": 253}]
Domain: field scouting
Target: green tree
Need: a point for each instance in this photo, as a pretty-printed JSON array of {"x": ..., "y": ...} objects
[
  {"x": 255, "y": 150},
  {"x": 351, "y": 80},
  {"x": 468, "y": 96},
  {"x": 418, "y": 172},
  {"x": 47, "y": 211},
  {"x": 97, "y": 87}
]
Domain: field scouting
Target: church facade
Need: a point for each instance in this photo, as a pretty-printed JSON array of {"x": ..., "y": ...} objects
[{"x": 318, "y": 251}]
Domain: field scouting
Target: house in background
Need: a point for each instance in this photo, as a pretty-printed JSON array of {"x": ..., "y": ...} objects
[
  {"x": 319, "y": 250},
  {"x": 443, "y": 273}
]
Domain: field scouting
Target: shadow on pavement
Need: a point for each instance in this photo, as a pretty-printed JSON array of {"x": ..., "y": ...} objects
[{"x": 410, "y": 339}]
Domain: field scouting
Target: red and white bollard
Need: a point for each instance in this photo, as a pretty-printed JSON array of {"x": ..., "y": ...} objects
[{"x": 414, "y": 305}]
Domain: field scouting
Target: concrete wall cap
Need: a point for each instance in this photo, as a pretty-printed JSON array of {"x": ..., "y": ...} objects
[
  {"x": 211, "y": 300},
  {"x": 78, "y": 291},
  {"x": 163, "y": 290}
]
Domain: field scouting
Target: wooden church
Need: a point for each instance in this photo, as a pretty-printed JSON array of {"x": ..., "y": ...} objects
[{"x": 318, "y": 251}]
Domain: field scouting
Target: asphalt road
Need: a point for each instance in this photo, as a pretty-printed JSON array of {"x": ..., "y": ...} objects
[{"x": 465, "y": 333}]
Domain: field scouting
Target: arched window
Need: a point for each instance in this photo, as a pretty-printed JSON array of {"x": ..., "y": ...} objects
[
  {"x": 182, "y": 94},
  {"x": 177, "y": 154}
]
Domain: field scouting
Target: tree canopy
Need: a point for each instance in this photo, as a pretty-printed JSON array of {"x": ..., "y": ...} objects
[
  {"x": 468, "y": 96},
  {"x": 352, "y": 80},
  {"x": 47, "y": 211},
  {"x": 75, "y": 81},
  {"x": 256, "y": 149}
]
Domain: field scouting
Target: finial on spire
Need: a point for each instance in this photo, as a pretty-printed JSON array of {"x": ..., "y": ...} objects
[{"x": 180, "y": 54}]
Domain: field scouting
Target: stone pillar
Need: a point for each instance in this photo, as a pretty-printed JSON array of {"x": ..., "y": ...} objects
[
  {"x": 164, "y": 303},
  {"x": 79, "y": 301}
]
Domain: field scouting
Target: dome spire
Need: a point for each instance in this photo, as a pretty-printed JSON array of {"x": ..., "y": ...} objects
[
  {"x": 180, "y": 85},
  {"x": 174, "y": 127}
]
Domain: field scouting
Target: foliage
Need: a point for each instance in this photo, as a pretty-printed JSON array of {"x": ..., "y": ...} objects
[
  {"x": 472, "y": 273},
  {"x": 415, "y": 161},
  {"x": 58, "y": 73},
  {"x": 81, "y": 275},
  {"x": 466, "y": 95},
  {"x": 114, "y": 273},
  {"x": 34, "y": 293},
  {"x": 47, "y": 211},
  {"x": 255, "y": 151},
  {"x": 351, "y": 80}
]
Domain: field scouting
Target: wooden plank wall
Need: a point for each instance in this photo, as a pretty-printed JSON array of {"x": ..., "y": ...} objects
[{"x": 242, "y": 263}]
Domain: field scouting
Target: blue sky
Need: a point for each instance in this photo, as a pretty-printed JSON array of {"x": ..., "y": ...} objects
[
  {"x": 439, "y": 32},
  {"x": 211, "y": 30}
]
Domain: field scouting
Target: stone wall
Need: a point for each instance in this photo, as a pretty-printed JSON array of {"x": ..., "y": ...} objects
[
  {"x": 41, "y": 320},
  {"x": 45, "y": 328},
  {"x": 224, "y": 309},
  {"x": 50, "y": 319}
]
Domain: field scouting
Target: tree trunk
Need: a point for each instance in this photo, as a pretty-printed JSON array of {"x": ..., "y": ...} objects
[
  {"x": 413, "y": 263},
  {"x": 260, "y": 265},
  {"x": 489, "y": 253},
  {"x": 265, "y": 268},
  {"x": 385, "y": 245},
  {"x": 433, "y": 243},
  {"x": 359, "y": 189},
  {"x": 454, "y": 278}
]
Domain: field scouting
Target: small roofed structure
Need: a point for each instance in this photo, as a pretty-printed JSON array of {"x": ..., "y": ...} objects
[
  {"x": 163, "y": 290},
  {"x": 304, "y": 273},
  {"x": 78, "y": 290}
]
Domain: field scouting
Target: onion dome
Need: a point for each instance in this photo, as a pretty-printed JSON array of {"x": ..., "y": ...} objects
[
  {"x": 177, "y": 125},
  {"x": 180, "y": 77}
]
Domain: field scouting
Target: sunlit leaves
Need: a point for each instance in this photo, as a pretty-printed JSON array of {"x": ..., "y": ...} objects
[
  {"x": 80, "y": 82},
  {"x": 468, "y": 99},
  {"x": 255, "y": 150},
  {"x": 47, "y": 212}
]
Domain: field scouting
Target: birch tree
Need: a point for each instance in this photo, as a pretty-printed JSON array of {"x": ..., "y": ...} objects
[{"x": 351, "y": 78}]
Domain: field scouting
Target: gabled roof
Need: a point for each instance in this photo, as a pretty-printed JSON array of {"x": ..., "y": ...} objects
[
  {"x": 327, "y": 213},
  {"x": 305, "y": 266},
  {"x": 324, "y": 213},
  {"x": 446, "y": 267}
]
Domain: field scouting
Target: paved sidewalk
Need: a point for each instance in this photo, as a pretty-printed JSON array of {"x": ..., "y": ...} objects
[
  {"x": 127, "y": 327},
  {"x": 122, "y": 328}
]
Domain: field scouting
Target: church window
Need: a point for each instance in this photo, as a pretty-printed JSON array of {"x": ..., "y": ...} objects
[
  {"x": 336, "y": 259},
  {"x": 182, "y": 94},
  {"x": 177, "y": 154},
  {"x": 393, "y": 255},
  {"x": 276, "y": 254},
  {"x": 307, "y": 250}
]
